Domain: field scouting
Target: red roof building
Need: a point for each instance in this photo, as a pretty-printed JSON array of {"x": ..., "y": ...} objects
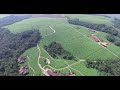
[{"x": 96, "y": 38}]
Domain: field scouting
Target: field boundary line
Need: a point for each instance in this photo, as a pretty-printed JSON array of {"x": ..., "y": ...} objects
[
  {"x": 50, "y": 33},
  {"x": 95, "y": 42}
]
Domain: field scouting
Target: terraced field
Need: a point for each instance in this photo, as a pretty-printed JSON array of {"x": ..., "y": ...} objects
[{"x": 76, "y": 41}]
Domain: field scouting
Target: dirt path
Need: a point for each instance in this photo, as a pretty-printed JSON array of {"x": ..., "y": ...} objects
[
  {"x": 44, "y": 71},
  {"x": 50, "y": 33},
  {"x": 38, "y": 49},
  {"x": 31, "y": 67},
  {"x": 47, "y": 53},
  {"x": 66, "y": 66},
  {"x": 96, "y": 43},
  {"x": 78, "y": 71}
]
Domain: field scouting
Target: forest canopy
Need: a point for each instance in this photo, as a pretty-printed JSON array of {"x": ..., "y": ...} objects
[
  {"x": 107, "y": 67},
  {"x": 12, "y": 46},
  {"x": 12, "y": 19}
]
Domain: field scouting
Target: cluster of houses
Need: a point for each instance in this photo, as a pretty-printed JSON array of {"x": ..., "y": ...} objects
[
  {"x": 23, "y": 70},
  {"x": 95, "y": 38},
  {"x": 51, "y": 73},
  {"x": 21, "y": 60}
]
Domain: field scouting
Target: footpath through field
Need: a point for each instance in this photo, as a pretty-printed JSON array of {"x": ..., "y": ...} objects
[
  {"x": 31, "y": 67},
  {"x": 50, "y": 33},
  {"x": 68, "y": 66}
]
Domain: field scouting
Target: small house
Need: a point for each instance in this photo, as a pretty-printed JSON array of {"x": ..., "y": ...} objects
[
  {"x": 47, "y": 61},
  {"x": 104, "y": 44},
  {"x": 21, "y": 60},
  {"x": 95, "y": 38},
  {"x": 23, "y": 70}
]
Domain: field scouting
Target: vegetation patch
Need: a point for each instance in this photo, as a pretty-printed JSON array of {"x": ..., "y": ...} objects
[
  {"x": 56, "y": 50},
  {"x": 107, "y": 68},
  {"x": 12, "y": 19},
  {"x": 113, "y": 39},
  {"x": 12, "y": 46},
  {"x": 98, "y": 27}
]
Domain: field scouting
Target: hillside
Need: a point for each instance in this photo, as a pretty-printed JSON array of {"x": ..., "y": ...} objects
[
  {"x": 48, "y": 15},
  {"x": 91, "y": 18},
  {"x": 61, "y": 40}
]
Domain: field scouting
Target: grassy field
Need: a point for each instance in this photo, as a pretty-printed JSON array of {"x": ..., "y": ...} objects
[
  {"x": 85, "y": 71},
  {"x": 92, "y": 18},
  {"x": 34, "y": 23},
  {"x": 76, "y": 41},
  {"x": 33, "y": 54}
]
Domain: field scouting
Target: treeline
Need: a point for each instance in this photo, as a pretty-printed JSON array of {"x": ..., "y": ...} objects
[
  {"x": 113, "y": 39},
  {"x": 12, "y": 46},
  {"x": 12, "y": 19},
  {"x": 116, "y": 22},
  {"x": 107, "y": 67},
  {"x": 56, "y": 50},
  {"x": 98, "y": 27}
]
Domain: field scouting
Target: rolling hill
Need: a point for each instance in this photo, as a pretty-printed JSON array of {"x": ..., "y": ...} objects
[{"x": 73, "y": 38}]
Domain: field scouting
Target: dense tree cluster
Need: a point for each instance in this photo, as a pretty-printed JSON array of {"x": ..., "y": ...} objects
[
  {"x": 107, "y": 67},
  {"x": 56, "y": 50},
  {"x": 113, "y": 39},
  {"x": 12, "y": 19},
  {"x": 117, "y": 43},
  {"x": 116, "y": 22},
  {"x": 98, "y": 27},
  {"x": 12, "y": 46}
]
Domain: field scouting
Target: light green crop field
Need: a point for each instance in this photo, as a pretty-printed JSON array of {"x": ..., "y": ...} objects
[
  {"x": 76, "y": 41},
  {"x": 34, "y": 23},
  {"x": 92, "y": 18},
  {"x": 33, "y": 54}
]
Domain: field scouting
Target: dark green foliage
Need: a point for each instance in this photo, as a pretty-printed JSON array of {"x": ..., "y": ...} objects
[
  {"x": 107, "y": 67},
  {"x": 12, "y": 19},
  {"x": 117, "y": 43},
  {"x": 98, "y": 27},
  {"x": 12, "y": 46},
  {"x": 55, "y": 50},
  {"x": 111, "y": 38},
  {"x": 116, "y": 22}
]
